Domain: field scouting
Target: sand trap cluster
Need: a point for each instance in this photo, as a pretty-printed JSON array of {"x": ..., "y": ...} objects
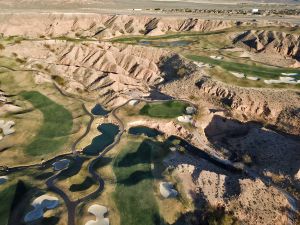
[
  {"x": 61, "y": 164},
  {"x": 167, "y": 190},
  {"x": 3, "y": 179},
  {"x": 7, "y": 128},
  {"x": 283, "y": 80},
  {"x": 98, "y": 211},
  {"x": 41, "y": 204}
]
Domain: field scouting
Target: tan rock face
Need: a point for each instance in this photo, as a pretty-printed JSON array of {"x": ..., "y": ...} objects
[
  {"x": 112, "y": 73},
  {"x": 287, "y": 45},
  {"x": 275, "y": 107},
  {"x": 250, "y": 200},
  {"x": 99, "y": 25},
  {"x": 6, "y": 106}
]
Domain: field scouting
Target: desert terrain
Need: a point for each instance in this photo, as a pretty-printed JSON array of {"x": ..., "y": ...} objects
[{"x": 159, "y": 114}]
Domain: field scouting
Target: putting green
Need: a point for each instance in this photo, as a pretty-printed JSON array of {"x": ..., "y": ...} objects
[
  {"x": 169, "y": 109},
  {"x": 56, "y": 127}
]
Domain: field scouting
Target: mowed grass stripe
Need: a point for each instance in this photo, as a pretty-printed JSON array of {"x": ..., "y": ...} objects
[
  {"x": 57, "y": 125},
  {"x": 255, "y": 70},
  {"x": 134, "y": 193}
]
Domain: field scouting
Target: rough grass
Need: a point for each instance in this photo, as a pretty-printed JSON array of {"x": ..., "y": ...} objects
[
  {"x": 134, "y": 194},
  {"x": 254, "y": 70},
  {"x": 169, "y": 109},
  {"x": 56, "y": 127}
]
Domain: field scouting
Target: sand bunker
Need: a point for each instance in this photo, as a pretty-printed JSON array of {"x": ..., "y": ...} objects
[
  {"x": 98, "y": 211},
  {"x": 290, "y": 74},
  {"x": 202, "y": 65},
  {"x": 216, "y": 57},
  {"x": 190, "y": 110},
  {"x": 252, "y": 78},
  {"x": 41, "y": 204},
  {"x": 238, "y": 75},
  {"x": 6, "y": 128},
  {"x": 61, "y": 164},
  {"x": 167, "y": 190},
  {"x": 133, "y": 102},
  {"x": 283, "y": 80},
  {"x": 185, "y": 118},
  {"x": 297, "y": 175},
  {"x": 3, "y": 179}
]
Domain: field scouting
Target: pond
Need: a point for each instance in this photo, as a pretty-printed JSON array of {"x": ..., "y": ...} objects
[
  {"x": 143, "y": 130},
  {"x": 98, "y": 110},
  {"x": 108, "y": 132}
]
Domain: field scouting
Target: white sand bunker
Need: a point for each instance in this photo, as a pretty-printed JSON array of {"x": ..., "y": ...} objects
[
  {"x": 252, "y": 78},
  {"x": 7, "y": 128},
  {"x": 3, "y": 179},
  {"x": 134, "y": 102},
  {"x": 61, "y": 164},
  {"x": 297, "y": 175},
  {"x": 216, "y": 57},
  {"x": 238, "y": 75},
  {"x": 190, "y": 110},
  {"x": 290, "y": 74},
  {"x": 185, "y": 119},
  {"x": 283, "y": 80},
  {"x": 167, "y": 190},
  {"x": 41, "y": 204},
  {"x": 98, "y": 211}
]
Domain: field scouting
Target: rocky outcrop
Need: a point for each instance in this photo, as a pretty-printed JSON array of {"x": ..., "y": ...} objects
[
  {"x": 100, "y": 25},
  {"x": 109, "y": 72},
  {"x": 286, "y": 44},
  {"x": 279, "y": 108},
  {"x": 6, "y": 105}
]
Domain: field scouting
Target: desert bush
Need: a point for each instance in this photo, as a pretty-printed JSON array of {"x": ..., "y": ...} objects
[{"x": 58, "y": 80}]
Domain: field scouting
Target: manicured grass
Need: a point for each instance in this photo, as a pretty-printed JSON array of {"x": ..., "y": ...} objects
[
  {"x": 134, "y": 194},
  {"x": 136, "y": 39},
  {"x": 254, "y": 70},
  {"x": 7, "y": 197},
  {"x": 169, "y": 109},
  {"x": 57, "y": 125}
]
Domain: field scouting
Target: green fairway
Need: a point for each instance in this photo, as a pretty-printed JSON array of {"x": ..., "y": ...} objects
[
  {"x": 170, "y": 109},
  {"x": 7, "y": 197},
  {"x": 137, "y": 39},
  {"x": 57, "y": 125},
  {"x": 247, "y": 69},
  {"x": 134, "y": 194}
]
